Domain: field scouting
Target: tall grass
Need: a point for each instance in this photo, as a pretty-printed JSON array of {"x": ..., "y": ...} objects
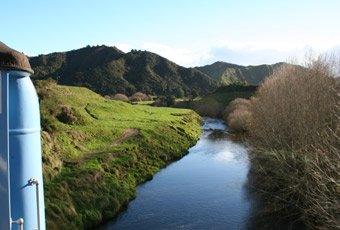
[{"x": 295, "y": 125}]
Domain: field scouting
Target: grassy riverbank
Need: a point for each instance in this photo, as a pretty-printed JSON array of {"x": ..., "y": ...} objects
[{"x": 96, "y": 151}]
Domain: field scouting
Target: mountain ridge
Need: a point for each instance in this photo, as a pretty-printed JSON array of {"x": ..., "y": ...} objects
[
  {"x": 108, "y": 70},
  {"x": 228, "y": 73}
]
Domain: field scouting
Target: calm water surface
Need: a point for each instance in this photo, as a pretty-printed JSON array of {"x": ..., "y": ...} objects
[{"x": 203, "y": 190}]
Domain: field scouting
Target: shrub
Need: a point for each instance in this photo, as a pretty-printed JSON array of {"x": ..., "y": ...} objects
[
  {"x": 163, "y": 101},
  {"x": 139, "y": 96},
  {"x": 295, "y": 122},
  {"x": 238, "y": 103},
  {"x": 120, "y": 97},
  {"x": 239, "y": 120},
  {"x": 160, "y": 101},
  {"x": 237, "y": 114},
  {"x": 293, "y": 108},
  {"x": 67, "y": 115},
  {"x": 170, "y": 100}
]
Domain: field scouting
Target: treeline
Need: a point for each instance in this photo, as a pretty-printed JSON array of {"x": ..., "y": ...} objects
[
  {"x": 293, "y": 123},
  {"x": 227, "y": 73},
  {"x": 214, "y": 105},
  {"x": 108, "y": 71},
  {"x": 160, "y": 101}
]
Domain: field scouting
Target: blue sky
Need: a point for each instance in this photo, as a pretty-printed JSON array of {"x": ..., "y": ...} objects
[{"x": 188, "y": 32}]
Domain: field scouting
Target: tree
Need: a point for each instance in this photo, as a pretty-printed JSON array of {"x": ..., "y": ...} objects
[
  {"x": 170, "y": 100},
  {"x": 194, "y": 94},
  {"x": 179, "y": 92}
]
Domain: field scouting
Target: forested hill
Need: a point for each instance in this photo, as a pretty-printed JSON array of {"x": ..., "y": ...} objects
[
  {"x": 108, "y": 70},
  {"x": 227, "y": 73}
]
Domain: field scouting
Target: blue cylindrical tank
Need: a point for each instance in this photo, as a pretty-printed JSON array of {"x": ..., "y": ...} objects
[
  {"x": 25, "y": 151},
  {"x": 21, "y": 180}
]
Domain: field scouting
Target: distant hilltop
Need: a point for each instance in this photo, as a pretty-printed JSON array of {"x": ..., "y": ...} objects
[
  {"x": 108, "y": 70},
  {"x": 227, "y": 73}
]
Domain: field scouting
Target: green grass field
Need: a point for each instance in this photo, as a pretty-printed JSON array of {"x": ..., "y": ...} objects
[{"x": 96, "y": 151}]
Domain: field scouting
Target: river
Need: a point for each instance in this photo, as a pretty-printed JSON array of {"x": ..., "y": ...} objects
[{"x": 203, "y": 190}]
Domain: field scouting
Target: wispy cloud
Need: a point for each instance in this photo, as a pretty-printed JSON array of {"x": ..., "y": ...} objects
[
  {"x": 243, "y": 53},
  {"x": 185, "y": 57}
]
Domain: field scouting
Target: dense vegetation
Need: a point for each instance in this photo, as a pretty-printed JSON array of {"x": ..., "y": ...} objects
[
  {"x": 227, "y": 73},
  {"x": 107, "y": 71},
  {"x": 95, "y": 151},
  {"x": 214, "y": 104},
  {"x": 294, "y": 124},
  {"x": 237, "y": 114}
]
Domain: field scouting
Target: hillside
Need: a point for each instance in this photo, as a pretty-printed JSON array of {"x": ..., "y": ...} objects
[
  {"x": 227, "y": 73},
  {"x": 96, "y": 151},
  {"x": 107, "y": 71}
]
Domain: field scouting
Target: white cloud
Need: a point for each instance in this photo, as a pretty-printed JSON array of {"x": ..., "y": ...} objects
[
  {"x": 123, "y": 47},
  {"x": 184, "y": 57},
  {"x": 237, "y": 52}
]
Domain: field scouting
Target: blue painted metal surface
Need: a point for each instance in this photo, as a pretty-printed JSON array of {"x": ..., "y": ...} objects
[
  {"x": 4, "y": 154},
  {"x": 24, "y": 152}
]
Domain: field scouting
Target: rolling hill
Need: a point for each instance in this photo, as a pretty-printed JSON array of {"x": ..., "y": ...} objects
[
  {"x": 107, "y": 71},
  {"x": 227, "y": 73}
]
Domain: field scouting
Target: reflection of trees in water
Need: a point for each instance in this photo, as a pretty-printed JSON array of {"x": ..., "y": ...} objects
[
  {"x": 263, "y": 215},
  {"x": 218, "y": 134}
]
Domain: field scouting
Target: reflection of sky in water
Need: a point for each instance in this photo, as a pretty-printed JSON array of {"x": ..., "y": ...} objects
[
  {"x": 210, "y": 123},
  {"x": 203, "y": 190},
  {"x": 222, "y": 150}
]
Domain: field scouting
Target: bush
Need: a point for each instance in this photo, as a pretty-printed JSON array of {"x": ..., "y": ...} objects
[
  {"x": 239, "y": 120},
  {"x": 170, "y": 100},
  {"x": 163, "y": 101},
  {"x": 67, "y": 115},
  {"x": 237, "y": 115},
  {"x": 139, "y": 96},
  {"x": 295, "y": 124},
  {"x": 120, "y": 97},
  {"x": 238, "y": 103},
  {"x": 294, "y": 107}
]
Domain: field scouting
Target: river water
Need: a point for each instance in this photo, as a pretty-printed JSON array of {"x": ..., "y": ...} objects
[{"x": 203, "y": 190}]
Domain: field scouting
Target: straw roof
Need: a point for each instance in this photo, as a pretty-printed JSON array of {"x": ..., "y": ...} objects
[{"x": 11, "y": 59}]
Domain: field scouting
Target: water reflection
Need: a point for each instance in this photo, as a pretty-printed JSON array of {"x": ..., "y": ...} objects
[
  {"x": 262, "y": 215},
  {"x": 203, "y": 190}
]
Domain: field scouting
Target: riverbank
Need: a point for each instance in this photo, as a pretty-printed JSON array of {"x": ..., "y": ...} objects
[
  {"x": 205, "y": 189},
  {"x": 96, "y": 151},
  {"x": 293, "y": 120}
]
